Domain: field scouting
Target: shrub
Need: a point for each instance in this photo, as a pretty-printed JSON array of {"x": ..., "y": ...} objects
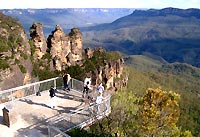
[
  {"x": 22, "y": 68},
  {"x": 3, "y": 64},
  {"x": 22, "y": 54}
]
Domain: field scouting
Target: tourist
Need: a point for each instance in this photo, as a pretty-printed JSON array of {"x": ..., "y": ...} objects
[
  {"x": 99, "y": 102},
  {"x": 68, "y": 82},
  {"x": 87, "y": 86},
  {"x": 100, "y": 88},
  {"x": 64, "y": 81},
  {"x": 52, "y": 97}
]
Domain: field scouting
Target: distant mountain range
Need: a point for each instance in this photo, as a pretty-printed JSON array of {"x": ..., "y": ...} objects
[
  {"x": 173, "y": 34},
  {"x": 67, "y": 18}
]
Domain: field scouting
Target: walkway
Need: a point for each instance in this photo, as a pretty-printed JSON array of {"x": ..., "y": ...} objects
[{"x": 32, "y": 114}]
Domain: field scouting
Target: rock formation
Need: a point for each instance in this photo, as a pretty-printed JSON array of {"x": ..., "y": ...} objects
[
  {"x": 39, "y": 42},
  {"x": 65, "y": 49},
  {"x": 109, "y": 73}
]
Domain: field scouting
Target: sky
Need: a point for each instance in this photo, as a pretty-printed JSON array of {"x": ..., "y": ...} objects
[{"x": 40, "y": 4}]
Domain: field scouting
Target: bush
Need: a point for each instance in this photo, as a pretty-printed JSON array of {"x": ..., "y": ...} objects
[
  {"x": 22, "y": 68},
  {"x": 3, "y": 64},
  {"x": 3, "y": 46},
  {"x": 22, "y": 54}
]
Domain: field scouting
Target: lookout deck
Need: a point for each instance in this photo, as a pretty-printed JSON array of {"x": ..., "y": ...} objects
[{"x": 33, "y": 113}]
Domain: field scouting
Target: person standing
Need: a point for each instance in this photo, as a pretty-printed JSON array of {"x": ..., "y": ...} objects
[
  {"x": 99, "y": 102},
  {"x": 86, "y": 84},
  {"x": 52, "y": 95},
  {"x": 64, "y": 81},
  {"x": 100, "y": 88},
  {"x": 68, "y": 82}
]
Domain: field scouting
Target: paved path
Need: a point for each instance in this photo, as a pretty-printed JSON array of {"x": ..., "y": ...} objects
[{"x": 32, "y": 114}]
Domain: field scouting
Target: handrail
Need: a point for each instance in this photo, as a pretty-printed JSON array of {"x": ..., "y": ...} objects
[
  {"x": 28, "y": 85},
  {"x": 27, "y": 90},
  {"x": 80, "y": 112}
]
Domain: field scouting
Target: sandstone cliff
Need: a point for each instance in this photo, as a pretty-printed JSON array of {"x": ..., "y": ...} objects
[
  {"x": 15, "y": 66},
  {"x": 65, "y": 49},
  {"x": 108, "y": 68},
  {"x": 39, "y": 42}
]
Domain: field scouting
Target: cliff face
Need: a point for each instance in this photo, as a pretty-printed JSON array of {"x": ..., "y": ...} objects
[
  {"x": 15, "y": 66},
  {"x": 110, "y": 72}
]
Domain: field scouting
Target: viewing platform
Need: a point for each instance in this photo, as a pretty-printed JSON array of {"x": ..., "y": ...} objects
[{"x": 31, "y": 115}]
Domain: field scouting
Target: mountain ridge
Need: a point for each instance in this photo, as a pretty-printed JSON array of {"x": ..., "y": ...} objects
[
  {"x": 162, "y": 32},
  {"x": 67, "y": 18}
]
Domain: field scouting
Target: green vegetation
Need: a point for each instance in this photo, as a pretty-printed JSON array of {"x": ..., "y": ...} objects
[
  {"x": 17, "y": 61},
  {"x": 32, "y": 50},
  {"x": 173, "y": 34},
  {"x": 155, "y": 114},
  {"x": 41, "y": 68},
  {"x": 3, "y": 64},
  {"x": 91, "y": 65},
  {"x": 4, "y": 46},
  {"x": 43, "y": 72},
  {"x": 22, "y": 68},
  {"x": 10, "y": 40},
  {"x": 182, "y": 78},
  {"x": 23, "y": 55}
]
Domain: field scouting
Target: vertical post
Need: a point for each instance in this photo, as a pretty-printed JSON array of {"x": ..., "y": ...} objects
[
  {"x": 70, "y": 119},
  {"x": 11, "y": 94},
  {"x": 34, "y": 87},
  {"x": 72, "y": 82},
  {"x": 55, "y": 83},
  {"x": 49, "y": 131}
]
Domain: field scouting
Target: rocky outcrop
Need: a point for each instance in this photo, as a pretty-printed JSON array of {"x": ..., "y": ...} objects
[
  {"x": 75, "y": 37},
  {"x": 15, "y": 66},
  {"x": 39, "y": 42},
  {"x": 110, "y": 73},
  {"x": 89, "y": 52},
  {"x": 65, "y": 49}
]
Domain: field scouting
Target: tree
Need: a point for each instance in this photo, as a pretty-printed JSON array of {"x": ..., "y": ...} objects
[
  {"x": 159, "y": 114},
  {"x": 153, "y": 115},
  {"x": 122, "y": 120}
]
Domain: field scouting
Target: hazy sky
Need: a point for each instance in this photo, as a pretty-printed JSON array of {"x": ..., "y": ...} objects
[{"x": 157, "y": 4}]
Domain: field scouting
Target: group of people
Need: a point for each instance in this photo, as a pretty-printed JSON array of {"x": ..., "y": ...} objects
[
  {"x": 86, "y": 89},
  {"x": 66, "y": 87},
  {"x": 100, "y": 89}
]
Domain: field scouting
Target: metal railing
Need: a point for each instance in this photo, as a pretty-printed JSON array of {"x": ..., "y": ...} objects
[
  {"x": 31, "y": 89},
  {"x": 79, "y": 118}
]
